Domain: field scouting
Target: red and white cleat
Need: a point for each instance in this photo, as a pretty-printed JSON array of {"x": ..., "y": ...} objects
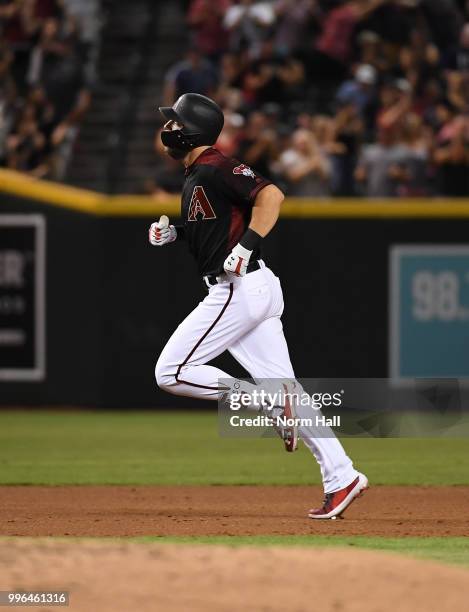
[
  {"x": 288, "y": 433},
  {"x": 335, "y": 503}
]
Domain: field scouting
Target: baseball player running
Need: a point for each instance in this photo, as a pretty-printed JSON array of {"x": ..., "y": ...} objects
[{"x": 227, "y": 209}]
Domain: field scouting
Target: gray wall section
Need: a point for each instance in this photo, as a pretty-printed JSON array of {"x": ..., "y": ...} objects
[{"x": 113, "y": 301}]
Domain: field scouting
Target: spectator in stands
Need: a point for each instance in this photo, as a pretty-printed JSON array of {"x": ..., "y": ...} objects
[
  {"x": 57, "y": 67},
  {"x": 44, "y": 9},
  {"x": 304, "y": 166},
  {"x": 293, "y": 19},
  {"x": 349, "y": 132},
  {"x": 396, "y": 101},
  {"x": 328, "y": 61},
  {"x": 257, "y": 147},
  {"x": 7, "y": 96},
  {"x": 304, "y": 120},
  {"x": 19, "y": 26},
  {"x": 444, "y": 21},
  {"x": 322, "y": 126},
  {"x": 229, "y": 140},
  {"x": 411, "y": 175},
  {"x": 248, "y": 23},
  {"x": 458, "y": 89},
  {"x": 43, "y": 92},
  {"x": 458, "y": 58},
  {"x": 360, "y": 92},
  {"x": 229, "y": 94},
  {"x": 431, "y": 94},
  {"x": 419, "y": 61},
  {"x": 205, "y": 19},
  {"x": 438, "y": 115},
  {"x": 193, "y": 74},
  {"x": 371, "y": 51},
  {"x": 451, "y": 157},
  {"x": 27, "y": 147},
  {"x": 44, "y": 112},
  {"x": 272, "y": 78},
  {"x": 395, "y": 165}
]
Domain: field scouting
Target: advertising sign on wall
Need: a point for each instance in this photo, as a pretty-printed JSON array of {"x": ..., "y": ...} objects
[
  {"x": 22, "y": 297},
  {"x": 429, "y": 311}
]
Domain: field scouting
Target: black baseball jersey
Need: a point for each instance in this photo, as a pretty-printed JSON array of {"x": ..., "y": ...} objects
[{"x": 217, "y": 198}]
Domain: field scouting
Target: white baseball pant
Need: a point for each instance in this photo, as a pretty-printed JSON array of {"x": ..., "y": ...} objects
[{"x": 242, "y": 315}]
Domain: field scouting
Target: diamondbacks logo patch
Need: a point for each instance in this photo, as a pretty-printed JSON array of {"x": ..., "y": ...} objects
[
  {"x": 200, "y": 208},
  {"x": 244, "y": 170}
]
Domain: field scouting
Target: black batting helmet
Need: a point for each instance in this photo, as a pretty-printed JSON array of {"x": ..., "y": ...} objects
[{"x": 200, "y": 117}]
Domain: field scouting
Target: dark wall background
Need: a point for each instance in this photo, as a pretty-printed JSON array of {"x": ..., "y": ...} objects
[{"x": 113, "y": 301}]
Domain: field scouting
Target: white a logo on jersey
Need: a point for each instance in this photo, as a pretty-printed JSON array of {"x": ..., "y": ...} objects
[{"x": 200, "y": 207}]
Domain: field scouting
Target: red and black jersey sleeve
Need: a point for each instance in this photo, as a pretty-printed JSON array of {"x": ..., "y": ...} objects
[{"x": 244, "y": 182}]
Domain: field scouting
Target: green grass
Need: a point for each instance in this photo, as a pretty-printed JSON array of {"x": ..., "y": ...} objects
[
  {"x": 445, "y": 550},
  {"x": 71, "y": 447}
]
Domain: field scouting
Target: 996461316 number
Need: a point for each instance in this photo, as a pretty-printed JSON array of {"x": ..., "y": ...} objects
[{"x": 34, "y": 598}]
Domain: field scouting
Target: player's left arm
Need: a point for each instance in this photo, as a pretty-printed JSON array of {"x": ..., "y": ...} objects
[
  {"x": 266, "y": 210},
  {"x": 265, "y": 213}
]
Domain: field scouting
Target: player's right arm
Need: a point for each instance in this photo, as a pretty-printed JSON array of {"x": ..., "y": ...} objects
[{"x": 161, "y": 233}]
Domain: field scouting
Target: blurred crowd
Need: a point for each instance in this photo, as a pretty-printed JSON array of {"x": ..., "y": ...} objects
[
  {"x": 46, "y": 70},
  {"x": 334, "y": 97}
]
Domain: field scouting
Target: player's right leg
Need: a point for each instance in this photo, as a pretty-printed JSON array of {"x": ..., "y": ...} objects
[{"x": 263, "y": 352}]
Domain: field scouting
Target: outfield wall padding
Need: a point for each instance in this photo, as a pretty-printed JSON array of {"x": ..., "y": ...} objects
[{"x": 113, "y": 300}]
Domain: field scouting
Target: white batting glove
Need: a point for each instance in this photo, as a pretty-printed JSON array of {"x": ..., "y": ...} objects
[
  {"x": 237, "y": 261},
  {"x": 161, "y": 232}
]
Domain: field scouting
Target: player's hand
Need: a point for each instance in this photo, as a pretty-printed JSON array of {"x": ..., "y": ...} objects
[
  {"x": 237, "y": 261},
  {"x": 161, "y": 232}
]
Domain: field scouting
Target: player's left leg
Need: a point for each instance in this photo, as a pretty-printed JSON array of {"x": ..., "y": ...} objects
[
  {"x": 263, "y": 352},
  {"x": 228, "y": 312}
]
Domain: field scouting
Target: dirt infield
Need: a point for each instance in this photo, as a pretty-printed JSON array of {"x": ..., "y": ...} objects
[
  {"x": 227, "y": 510},
  {"x": 110, "y": 577}
]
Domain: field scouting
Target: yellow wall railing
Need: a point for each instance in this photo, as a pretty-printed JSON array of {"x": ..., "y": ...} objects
[{"x": 82, "y": 200}]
